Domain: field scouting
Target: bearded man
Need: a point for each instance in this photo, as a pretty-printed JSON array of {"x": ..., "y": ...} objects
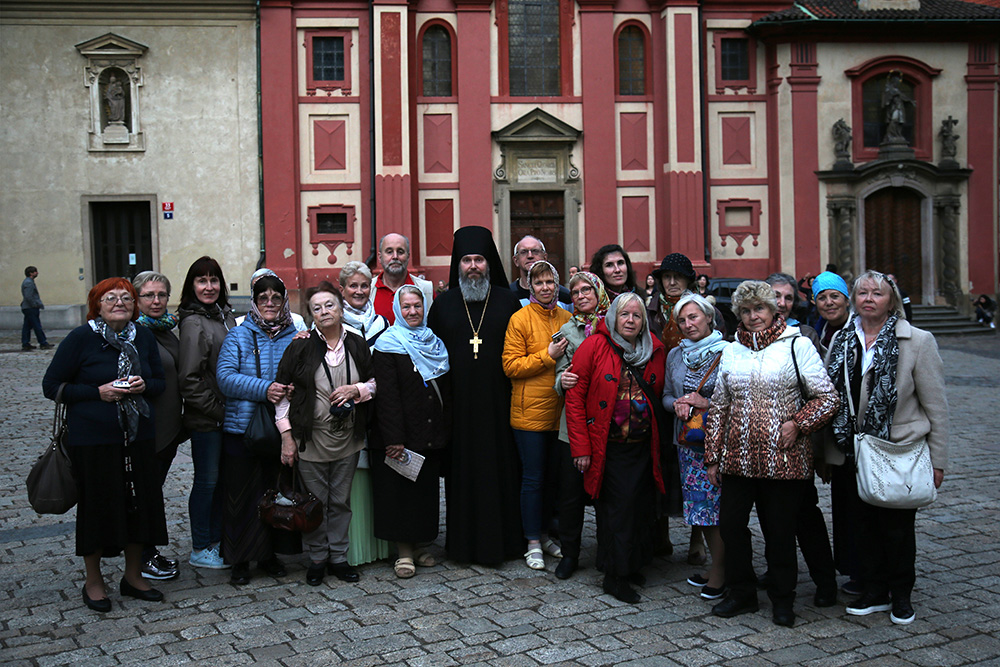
[
  {"x": 483, "y": 483},
  {"x": 394, "y": 257}
]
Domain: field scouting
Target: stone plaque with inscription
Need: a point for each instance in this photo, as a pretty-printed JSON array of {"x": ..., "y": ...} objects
[{"x": 536, "y": 170}]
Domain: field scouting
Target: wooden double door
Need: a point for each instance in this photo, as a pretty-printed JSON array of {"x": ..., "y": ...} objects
[
  {"x": 893, "y": 237},
  {"x": 542, "y": 215}
]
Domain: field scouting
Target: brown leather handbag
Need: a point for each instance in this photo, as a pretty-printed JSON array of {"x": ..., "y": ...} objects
[
  {"x": 287, "y": 509},
  {"x": 51, "y": 487}
]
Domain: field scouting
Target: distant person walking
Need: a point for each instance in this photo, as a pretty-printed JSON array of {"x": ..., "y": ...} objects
[{"x": 31, "y": 306}]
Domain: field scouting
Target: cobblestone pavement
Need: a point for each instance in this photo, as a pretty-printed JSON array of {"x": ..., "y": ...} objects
[{"x": 453, "y": 614}]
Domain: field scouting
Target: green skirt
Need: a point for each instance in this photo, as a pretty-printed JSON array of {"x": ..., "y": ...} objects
[{"x": 364, "y": 547}]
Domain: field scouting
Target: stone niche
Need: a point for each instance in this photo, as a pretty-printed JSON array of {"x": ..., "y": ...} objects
[{"x": 113, "y": 78}]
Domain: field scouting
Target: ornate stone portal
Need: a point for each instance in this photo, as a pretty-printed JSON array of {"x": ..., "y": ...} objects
[
  {"x": 940, "y": 218},
  {"x": 536, "y": 155}
]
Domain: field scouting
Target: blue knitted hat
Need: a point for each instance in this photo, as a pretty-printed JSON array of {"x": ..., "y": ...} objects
[{"x": 828, "y": 280}]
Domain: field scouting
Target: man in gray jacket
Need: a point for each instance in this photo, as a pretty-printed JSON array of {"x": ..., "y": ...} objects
[{"x": 31, "y": 307}]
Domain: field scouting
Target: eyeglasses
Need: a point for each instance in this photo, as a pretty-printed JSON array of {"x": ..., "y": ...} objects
[
  {"x": 111, "y": 299},
  {"x": 152, "y": 296},
  {"x": 583, "y": 291},
  {"x": 273, "y": 300},
  {"x": 530, "y": 251}
]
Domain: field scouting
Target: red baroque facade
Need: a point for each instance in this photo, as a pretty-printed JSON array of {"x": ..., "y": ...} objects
[{"x": 705, "y": 128}]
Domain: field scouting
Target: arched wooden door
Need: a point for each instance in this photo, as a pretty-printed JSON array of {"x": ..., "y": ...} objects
[{"x": 893, "y": 237}]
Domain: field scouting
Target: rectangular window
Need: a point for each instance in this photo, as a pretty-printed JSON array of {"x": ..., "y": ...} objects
[
  {"x": 328, "y": 58},
  {"x": 437, "y": 62},
  {"x": 533, "y": 47},
  {"x": 331, "y": 223},
  {"x": 631, "y": 62},
  {"x": 734, "y": 59}
]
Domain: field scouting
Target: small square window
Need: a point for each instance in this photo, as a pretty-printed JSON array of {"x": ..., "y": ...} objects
[
  {"x": 328, "y": 58},
  {"x": 734, "y": 59},
  {"x": 331, "y": 223}
]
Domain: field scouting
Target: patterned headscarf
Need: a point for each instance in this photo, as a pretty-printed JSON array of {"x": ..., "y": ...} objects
[
  {"x": 590, "y": 320},
  {"x": 543, "y": 267},
  {"x": 284, "y": 319}
]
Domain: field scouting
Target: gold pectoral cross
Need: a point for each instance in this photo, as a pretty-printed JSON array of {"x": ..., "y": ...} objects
[{"x": 475, "y": 342}]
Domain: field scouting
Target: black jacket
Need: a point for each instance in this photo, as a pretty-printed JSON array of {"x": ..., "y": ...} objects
[
  {"x": 409, "y": 412},
  {"x": 298, "y": 366}
]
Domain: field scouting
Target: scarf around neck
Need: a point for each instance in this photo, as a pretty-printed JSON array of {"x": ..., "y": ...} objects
[
  {"x": 366, "y": 321},
  {"x": 425, "y": 349},
  {"x": 131, "y": 406},
  {"x": 882, "y": 394},
  {"x": 760, "y": 339},
  {"x": 165, "y": 322},
  {"x": 638, "y": 354},
  {"x": 589, "y": 320},
  {"x": 696, "y": 355}
]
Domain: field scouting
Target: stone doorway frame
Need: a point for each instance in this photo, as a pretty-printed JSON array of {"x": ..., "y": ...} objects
[
  {"x": 941, "y": 190},
  {"x": 536, "y": 154}
]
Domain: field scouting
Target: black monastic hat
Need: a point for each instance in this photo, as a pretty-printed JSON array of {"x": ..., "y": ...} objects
[{"x": 474, "y": 240}]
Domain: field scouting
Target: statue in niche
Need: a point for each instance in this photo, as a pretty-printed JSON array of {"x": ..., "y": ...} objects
[
  {"x": 114, "y": 94},
  {"x": 949, "y": 142},
  {"x": 842, "y": 144},
  {"x": 894, "y": 102}
]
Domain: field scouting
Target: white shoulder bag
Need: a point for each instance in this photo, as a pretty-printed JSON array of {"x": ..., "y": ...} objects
[{"x": 896, "y": 475}]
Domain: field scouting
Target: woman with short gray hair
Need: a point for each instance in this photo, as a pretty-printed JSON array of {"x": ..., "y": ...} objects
[
  {"x": 771, "y": 393},
  {"x": 359, "y": 311},
  {"x": 154, "y": 294}
]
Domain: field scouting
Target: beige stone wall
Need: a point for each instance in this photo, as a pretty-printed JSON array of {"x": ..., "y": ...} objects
[{"x": 199, "y": 117}]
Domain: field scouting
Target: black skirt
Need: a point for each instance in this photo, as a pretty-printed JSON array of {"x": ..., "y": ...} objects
[
  {"x": 108, "y": 517},
  {"x": 245, "y": 477},
  {"x": 406, "y": 511},
  {"x": 626, "y": 509}
]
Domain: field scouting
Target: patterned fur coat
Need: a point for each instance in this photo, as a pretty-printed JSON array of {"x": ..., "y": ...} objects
[{"x": 756, "y": 391}]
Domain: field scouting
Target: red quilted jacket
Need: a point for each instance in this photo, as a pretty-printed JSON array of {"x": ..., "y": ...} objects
[{"x": 590, "y": 404}]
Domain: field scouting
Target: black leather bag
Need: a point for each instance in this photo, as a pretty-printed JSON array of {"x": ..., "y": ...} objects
[
  {"x": 287, "y": 509},
  {"x": 262, "y": 436},
  {"x": 51, "y": 487}
]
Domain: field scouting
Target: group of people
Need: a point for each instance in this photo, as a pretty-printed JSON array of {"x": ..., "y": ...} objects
[{"x": 531, "y": 399}]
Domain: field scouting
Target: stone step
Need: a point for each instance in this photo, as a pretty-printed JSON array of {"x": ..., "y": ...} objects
[{"x": 947, "y": 321}]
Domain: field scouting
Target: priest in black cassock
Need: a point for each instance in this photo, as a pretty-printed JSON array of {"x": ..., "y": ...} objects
[{"x": 483, "y": 483}]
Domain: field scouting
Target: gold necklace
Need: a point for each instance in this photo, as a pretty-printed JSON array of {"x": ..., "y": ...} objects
[{"x": 476, "y": 341}]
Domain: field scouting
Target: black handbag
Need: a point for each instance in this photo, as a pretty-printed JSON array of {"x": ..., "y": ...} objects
[
  {"x": 51, "y": 487},
  {"x": 287, "y": 509},
  {"x": 262, "y": 436}
]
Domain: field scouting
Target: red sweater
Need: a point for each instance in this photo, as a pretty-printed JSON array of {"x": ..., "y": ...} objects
[{"x": 591, "y": 403}]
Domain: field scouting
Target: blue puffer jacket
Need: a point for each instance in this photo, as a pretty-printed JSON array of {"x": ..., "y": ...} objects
[{"x": 237, "y": 371}]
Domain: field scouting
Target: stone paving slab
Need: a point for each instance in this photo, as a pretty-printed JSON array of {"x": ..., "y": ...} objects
[{"x": 455, "y": 614}]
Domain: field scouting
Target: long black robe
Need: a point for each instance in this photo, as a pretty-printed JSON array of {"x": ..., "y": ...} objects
[{"x": 483, "y": 482}]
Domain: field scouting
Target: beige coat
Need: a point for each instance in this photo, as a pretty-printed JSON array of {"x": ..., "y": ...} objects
[{"x": 921, "y": 402}]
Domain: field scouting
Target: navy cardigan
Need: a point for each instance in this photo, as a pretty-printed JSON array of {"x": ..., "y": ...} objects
[{"x": 85, "y": 361}]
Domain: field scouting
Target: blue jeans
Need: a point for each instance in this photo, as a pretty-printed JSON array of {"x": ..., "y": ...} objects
[
  {"x": 32, "y": 320},
  {"x": 535, "y": 448},
  {"x": 205, "y": 502}
]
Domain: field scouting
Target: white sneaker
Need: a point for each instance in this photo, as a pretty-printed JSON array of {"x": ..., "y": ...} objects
[{"x": 208, "y": 558}]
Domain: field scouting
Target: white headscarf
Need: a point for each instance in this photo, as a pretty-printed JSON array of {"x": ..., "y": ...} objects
[{"x": 425, "y": 349}]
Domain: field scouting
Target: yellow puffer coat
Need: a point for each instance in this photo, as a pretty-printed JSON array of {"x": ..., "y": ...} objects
[{"x": 534, "y": 403}]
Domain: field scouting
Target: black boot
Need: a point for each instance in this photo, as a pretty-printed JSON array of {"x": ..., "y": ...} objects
[{"x": 619, "y": 588}]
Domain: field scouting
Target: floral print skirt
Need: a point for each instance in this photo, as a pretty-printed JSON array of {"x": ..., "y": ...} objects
[{"x": 701, "y": 497}]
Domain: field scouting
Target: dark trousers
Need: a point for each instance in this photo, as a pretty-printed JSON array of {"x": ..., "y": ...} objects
[
  {"x": 776, "y": 500},
  {"x": 888, "y": 561},
  {"x": 846, "y": 506},
  {"x": 813, "y": 539},
  {"x": 572, "y": 501},
  {"x": 32, "y": 322}
]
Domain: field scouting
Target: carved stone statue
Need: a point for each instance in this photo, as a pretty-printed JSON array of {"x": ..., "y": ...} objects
[
  {"x": 894, "y": 102},
  {"x": 949, "y": 143},
  {"x": 842, "y": 145},
  {"x": 114, "y": 94}
]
